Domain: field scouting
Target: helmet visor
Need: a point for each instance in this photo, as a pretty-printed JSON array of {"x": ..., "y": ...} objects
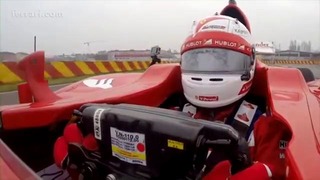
[{"x": 215, "y": 60}]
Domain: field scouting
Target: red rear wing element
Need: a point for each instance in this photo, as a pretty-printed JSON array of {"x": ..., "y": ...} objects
[{"x": 33, "y": 73}]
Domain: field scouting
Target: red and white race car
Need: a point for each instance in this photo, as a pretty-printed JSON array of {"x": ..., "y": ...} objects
[{"x": 135, "y": 102}]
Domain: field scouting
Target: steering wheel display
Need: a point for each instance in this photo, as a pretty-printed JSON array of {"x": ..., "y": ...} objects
[{"x": 140, "y": 142}]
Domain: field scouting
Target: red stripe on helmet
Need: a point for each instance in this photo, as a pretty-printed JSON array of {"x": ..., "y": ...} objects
[{"x": 217, "y": 40}]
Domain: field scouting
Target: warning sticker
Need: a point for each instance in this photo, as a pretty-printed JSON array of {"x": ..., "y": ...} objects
[
  {"x": 175, "y": 144},
  {"x": 97, "y": 123},
  {"x": 128, "y": 147}
]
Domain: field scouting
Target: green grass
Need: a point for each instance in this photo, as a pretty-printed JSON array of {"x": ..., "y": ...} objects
[
  {"x": 13, "y": 86},
  {"x": 8, "y": 87}
]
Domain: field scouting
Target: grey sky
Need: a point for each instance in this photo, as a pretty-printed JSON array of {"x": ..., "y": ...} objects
[{"x": 63, "y": 26}]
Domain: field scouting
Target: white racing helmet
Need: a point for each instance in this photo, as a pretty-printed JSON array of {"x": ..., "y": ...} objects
[{"x": 217, "y": 62}]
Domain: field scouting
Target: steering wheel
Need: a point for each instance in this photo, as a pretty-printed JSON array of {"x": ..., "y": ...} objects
[
  {"x": 176, "y": 145},
  {"x": 239, "y": 157}
]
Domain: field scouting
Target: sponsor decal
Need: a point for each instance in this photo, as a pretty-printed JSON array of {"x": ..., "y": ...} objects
[
  {"x": 127, "y": 146},
  {"x": 241, "y": 31},
  {"x": 245, "y": 48},
  {"x": 241, "y": 47},
  {"x": 197, "y": 43},
  {"x": 97, "y": 123},
  {"x": 175, "y": 144},
  {"x": 215, "y": 42},
  {"x": 213, "y": 26},
  {"x": 225, "y": 43},
  {"x": 208, "y": 42},
  {"x": 245, "y": 88},
  {"x": 245, "y": 113},
  {"x": 98, "y": 83},
  {"x": 208, "y": 98},
  {"x": 193, "y": 44},
  {"x": 283, "y": 144},
  {"x": 243, "y": 117},
  {"x": 282, "y": 156}
]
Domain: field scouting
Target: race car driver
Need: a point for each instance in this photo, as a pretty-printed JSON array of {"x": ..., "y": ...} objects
[{"x": 217, "y": 67}]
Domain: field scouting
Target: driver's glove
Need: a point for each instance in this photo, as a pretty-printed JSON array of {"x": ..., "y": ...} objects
[{"x": 222, "y": 171}]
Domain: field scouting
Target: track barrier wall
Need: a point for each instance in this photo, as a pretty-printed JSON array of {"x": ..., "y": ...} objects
[
  {"x": 9, "y": 72},
  {"x": 297, "y": 62}
]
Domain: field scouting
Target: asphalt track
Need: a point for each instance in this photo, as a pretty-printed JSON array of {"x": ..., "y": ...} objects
[{"x": 8, "y": 98}]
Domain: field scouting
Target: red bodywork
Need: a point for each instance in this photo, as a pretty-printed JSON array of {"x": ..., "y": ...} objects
[
  {"x": 149, "y": 88},
  {"x": 290, "y": 100},
  {"x": 11, "y": 167}
]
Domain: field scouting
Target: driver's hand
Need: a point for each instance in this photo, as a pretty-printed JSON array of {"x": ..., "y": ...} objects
[
  {"x": 71, "y": 134},
  {"x": 223, "y": 171}
]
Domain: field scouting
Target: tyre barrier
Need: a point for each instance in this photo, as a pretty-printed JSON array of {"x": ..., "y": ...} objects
[{"x": 10, "y": 73}]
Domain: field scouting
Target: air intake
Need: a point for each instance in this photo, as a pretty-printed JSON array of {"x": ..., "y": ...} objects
[
  {"x": 216, "y": 79},
  {"x": 196, "y": 79}
]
